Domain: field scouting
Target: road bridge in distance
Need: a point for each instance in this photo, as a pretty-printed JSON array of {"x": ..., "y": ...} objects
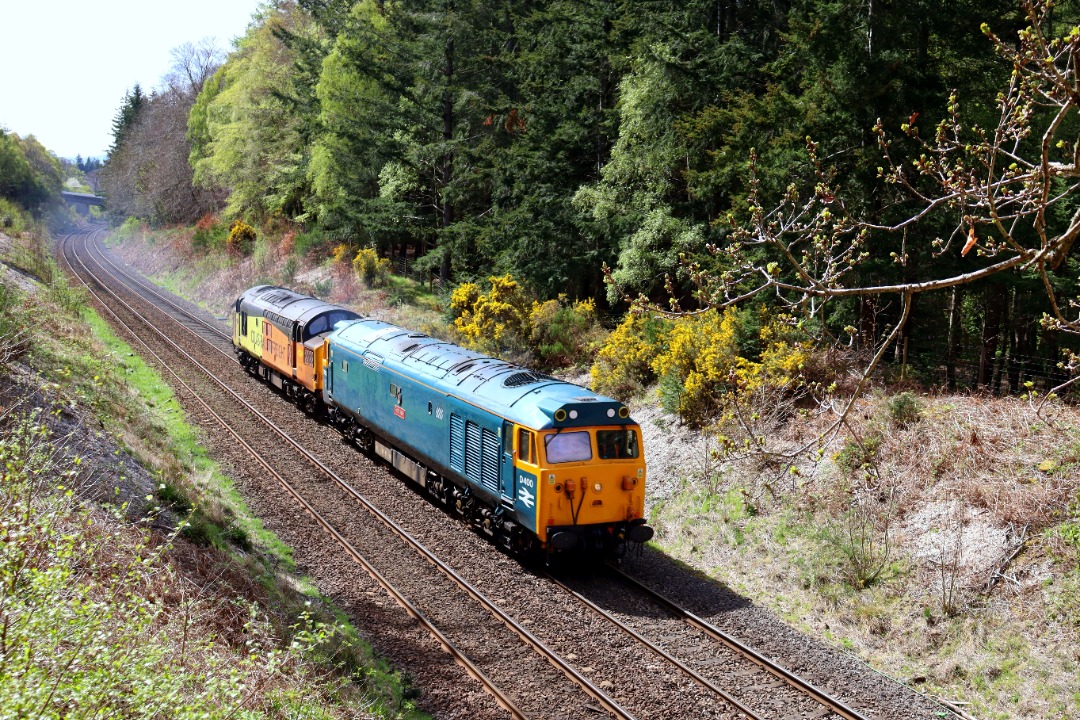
[{"x": 82, "y": 202}]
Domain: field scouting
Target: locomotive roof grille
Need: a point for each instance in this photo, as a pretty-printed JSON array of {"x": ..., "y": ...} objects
[
  {"x": 278, "y": 298},
  {"x": 407, "y": 345},
  {"x": 525, "y": 377}
]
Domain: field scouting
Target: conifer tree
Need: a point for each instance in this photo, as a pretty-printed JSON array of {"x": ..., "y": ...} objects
[{"x": 126, "y": 117}]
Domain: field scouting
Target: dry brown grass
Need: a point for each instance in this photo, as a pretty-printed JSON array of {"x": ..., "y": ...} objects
[{"x": 977, "y": 597}]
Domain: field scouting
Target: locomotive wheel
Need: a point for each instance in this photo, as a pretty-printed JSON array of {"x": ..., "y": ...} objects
[{"x": 363, "y": 439}]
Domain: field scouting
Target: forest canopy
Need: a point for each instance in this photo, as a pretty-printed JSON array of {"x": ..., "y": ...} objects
[{"x": 551, "y": 140}]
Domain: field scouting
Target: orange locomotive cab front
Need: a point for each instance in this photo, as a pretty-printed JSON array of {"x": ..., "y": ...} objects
[{"x": 592, "y": 486}]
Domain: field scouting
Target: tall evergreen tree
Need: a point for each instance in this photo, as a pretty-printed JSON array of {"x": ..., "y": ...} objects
[{"x": 133, "y": 103}]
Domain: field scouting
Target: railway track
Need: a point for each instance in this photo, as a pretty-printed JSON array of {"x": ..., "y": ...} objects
[{"x": 720, "y": 687}]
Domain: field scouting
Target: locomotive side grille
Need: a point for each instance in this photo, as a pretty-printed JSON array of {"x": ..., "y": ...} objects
[
  {"x": 457, "y": 443},
  {"x": 472, "y": 451},
  {"x": 489, "y": 461}
]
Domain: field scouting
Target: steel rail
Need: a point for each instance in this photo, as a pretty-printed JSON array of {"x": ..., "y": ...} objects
[
  {"x": 787, "y": 676},
  {"x": 149, "y": 287},
  {"x": 696, "y": 676}
]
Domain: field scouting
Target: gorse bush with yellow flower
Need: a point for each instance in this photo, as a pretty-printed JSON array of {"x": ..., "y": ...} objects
[
  {"x": 701, "y": 361},
  {"x": 339, "y": 256},
  {"x": 492, "y": 321},
  {"x": 372, "y": 270},
  {"x": 623, "y": 366},
  {"x": 241, "y": 238},
  {"x": 505, "y": 318}
]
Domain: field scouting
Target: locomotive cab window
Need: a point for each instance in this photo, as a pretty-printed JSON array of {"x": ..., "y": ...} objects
[
  {"x": 526, "y": 447},
  {"x": 617, "y": 444},
  {"x": 568, "y": 446},
  {"x": 395, "y": 392}
]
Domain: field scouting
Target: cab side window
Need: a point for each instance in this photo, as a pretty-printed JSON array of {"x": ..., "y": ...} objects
[{"x": 526, "y": 447}]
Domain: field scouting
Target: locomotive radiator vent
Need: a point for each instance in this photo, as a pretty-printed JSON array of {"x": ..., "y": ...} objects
[{"x": 520, "y": 379}]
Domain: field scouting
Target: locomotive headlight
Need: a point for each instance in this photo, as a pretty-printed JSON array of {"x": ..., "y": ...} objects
[
  {"x": 573, "y": 414},
  {"x": 597, "y": 487},
  {"x": 611, "y": 412}
]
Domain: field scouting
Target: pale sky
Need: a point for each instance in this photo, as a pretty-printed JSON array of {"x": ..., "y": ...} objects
[{"x": 66, "y": 64}]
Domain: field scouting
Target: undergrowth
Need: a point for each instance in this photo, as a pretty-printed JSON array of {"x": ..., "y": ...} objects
[{"x": 99, "y": 622}]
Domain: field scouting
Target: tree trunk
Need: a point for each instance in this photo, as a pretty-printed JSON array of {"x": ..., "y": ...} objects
[
  {"x": 952, "y": 341},
  {"x": 1005, "y": 358},
  {"x": 867, "y": 322},
  {"x": 447, "y": 172},
  {"x": 993, "y": 308}
]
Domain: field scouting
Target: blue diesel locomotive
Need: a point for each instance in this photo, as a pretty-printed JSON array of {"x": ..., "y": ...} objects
[{"x": 534, "y": 462}]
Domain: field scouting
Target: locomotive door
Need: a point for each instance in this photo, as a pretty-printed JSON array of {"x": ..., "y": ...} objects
[{"x": 506, "y": 466}]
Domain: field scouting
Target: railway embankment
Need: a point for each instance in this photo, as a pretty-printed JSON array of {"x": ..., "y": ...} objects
[{"x": 957, "y": 572}]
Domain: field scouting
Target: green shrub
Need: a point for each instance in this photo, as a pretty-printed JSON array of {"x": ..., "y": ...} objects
[
  {"x": 672, "y": 393},
  {"x": 71, "y": 298},
  {"x": 859, "y": 544},
  {"x": 903, "y": 409},
  {"x": 210, "y": 234},
  {"x": 1063, "y": 598},
  {"x": 855, "y": 456},
  {"x": 168, "y": 495},
  {"x": 563, "y": 332},
  {"x": 289, "y": 270},
  {"x": 262, "y": 255},
  {"x": 310, "y": 242},
  {"x": 14, "y": 321},
  {"x": 13, "y": 219},
  {"x": 128, "y": 228}
]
